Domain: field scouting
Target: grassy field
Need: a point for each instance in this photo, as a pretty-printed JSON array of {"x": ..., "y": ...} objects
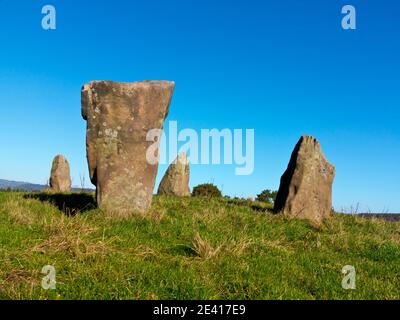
[{"x": 189, "y": 249}]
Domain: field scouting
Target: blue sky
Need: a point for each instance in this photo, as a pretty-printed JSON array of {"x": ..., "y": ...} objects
[{"x": 283, "y": 68}]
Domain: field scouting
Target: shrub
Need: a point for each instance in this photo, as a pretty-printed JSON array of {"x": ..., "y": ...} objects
[
  {"x": 267, "y": 196},
  {"x": 206, "y": 190}
]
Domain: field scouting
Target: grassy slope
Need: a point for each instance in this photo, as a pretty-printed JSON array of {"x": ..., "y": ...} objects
[{"x": 192, "y": 249}]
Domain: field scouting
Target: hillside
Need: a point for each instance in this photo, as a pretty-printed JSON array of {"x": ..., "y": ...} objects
[
  {"x": 27, "y": 186},
  {"x": 189, "y": 248},
  {"x": 7, "y": 184}
]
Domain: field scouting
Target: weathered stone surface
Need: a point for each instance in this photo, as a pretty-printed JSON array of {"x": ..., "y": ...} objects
[
  {"x": 306, "y": 186},
  {"x": 119, "y": 116},
  {"x": 176, "y": 179},
  {"x": 60, "y": 176}
]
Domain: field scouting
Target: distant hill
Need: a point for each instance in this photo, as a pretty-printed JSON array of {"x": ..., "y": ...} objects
[
  {"x": 18, "y": 185},
  {"x": 30, "y": 187},
  {"x": 386, "y": 216}
]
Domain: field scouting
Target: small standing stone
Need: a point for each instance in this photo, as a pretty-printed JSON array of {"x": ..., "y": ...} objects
[
  {"x": 176, "y": 179},
  {"x": 305, "y": 191},
  {"x": 60, "y": 177}
]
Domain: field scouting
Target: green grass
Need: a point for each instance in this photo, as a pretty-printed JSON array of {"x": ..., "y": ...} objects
[{"x": 189, "y": 249}]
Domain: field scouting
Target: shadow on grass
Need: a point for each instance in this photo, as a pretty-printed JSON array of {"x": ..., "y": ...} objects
[
  {"x": 183, "y": 250},
  {"x": 69, "y": 203}
]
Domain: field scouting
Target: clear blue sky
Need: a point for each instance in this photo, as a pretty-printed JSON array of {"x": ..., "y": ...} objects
[{"x": 282, "y": 67}]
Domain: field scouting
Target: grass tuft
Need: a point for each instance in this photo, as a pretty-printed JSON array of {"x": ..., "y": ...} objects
[{"x": 203, "y": 248}]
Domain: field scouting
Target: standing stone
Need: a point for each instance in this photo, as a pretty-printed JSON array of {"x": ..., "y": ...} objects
[
  {"x": 305, "y": 191},
  {"x": 119, "y": 117},
  {"x": 60, "y": 176},
  {"x": 176, "y": 179}
]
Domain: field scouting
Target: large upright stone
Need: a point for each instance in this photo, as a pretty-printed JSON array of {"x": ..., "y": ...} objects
[
  {"x": 176, "y": 179},
  {"x": 60, "y": 176},
  {"x": 119, "y": 116},
  {"x": 306, "y": 186}
]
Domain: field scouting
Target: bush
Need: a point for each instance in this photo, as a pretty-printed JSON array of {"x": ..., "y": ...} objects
[
  {"x": 206, "y": 190},
  {"x": 267, "y": 196}
]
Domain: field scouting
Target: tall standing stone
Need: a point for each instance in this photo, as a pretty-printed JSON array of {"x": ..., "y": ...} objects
[
  {"x": 119, "y": 117},
  {"x": 306, "y": 186},
  {"x": 60, "y": 176},
  {"x": 176, "y": 179}
]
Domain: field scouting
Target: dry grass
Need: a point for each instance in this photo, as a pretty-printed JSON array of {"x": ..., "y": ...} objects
[
  {"x": 203, "y": 248},
  {"x": 71, "y": 236},
  {"x": 144, "y": 251},
  {"x": 15, "y": 279},
  {"x": 71, "y": 244},
  {"x": 19, "y": 214},
  {"x": 238, "y": 247},
  {"x": 278, "y": 245}
]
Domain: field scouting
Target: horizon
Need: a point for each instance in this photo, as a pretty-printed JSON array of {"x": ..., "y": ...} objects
[{"x": 282, "y": 69}]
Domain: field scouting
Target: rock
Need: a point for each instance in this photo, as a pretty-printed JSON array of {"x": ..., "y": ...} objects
[
  {"x": 60, "y": 176},
  {"x": 119, "y": 116},
  {"x": 305, "y": 191},
  {"x": 176, "y": 179}
]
